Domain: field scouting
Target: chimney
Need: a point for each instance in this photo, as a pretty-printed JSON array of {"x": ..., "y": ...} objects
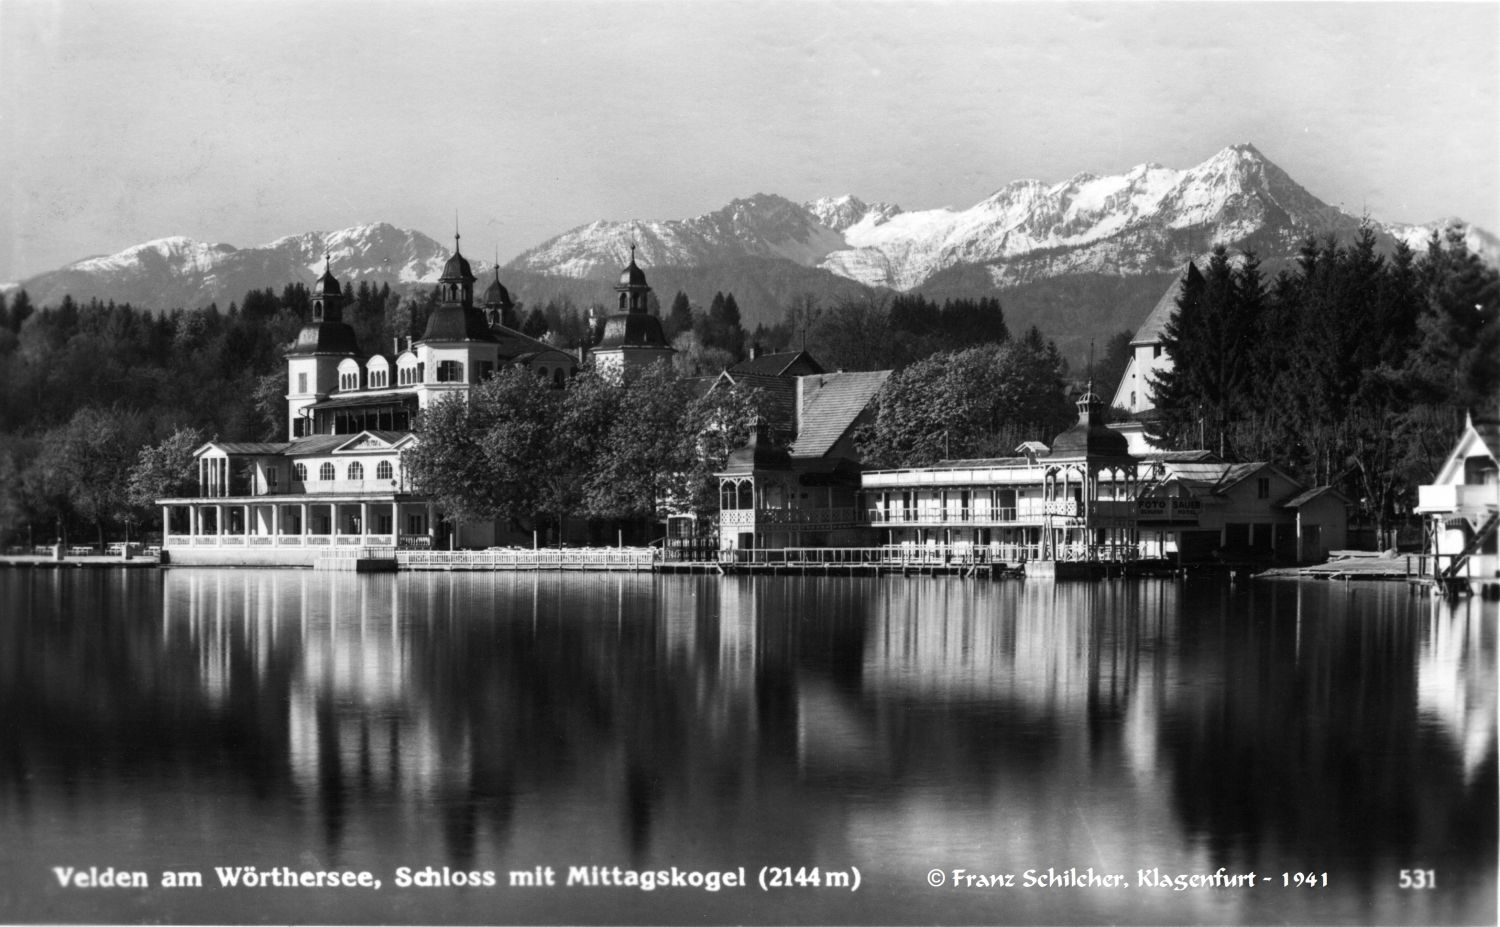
[
  {"x": 396, "y": 345},
  {"x": 754, "y": 350},
  {"x": 797, "y": 419}
]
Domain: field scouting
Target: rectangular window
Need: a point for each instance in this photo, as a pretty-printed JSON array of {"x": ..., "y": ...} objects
[
  {"x": 270, "y": 477},
  {"x": 1263, "y": 488},
  {"x": 301, "y": 382}
]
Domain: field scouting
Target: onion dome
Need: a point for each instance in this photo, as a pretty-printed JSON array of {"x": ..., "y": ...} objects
[
  {"x": 457, "y": 269},
  {"x": 327, "y": 333},
  {"x": 1090, "y": 437},
  {"x": 759, "y": 453},
  {"x": 632, "y": 275},
  {"x": 496, "y": 295},
  {"x": 328, "y": 284}
]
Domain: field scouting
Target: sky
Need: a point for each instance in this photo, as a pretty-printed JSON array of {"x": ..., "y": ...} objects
[{"x": 241, "y": 122}]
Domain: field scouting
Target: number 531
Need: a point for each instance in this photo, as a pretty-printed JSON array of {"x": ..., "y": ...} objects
[{"x": 1418, "y": 878}]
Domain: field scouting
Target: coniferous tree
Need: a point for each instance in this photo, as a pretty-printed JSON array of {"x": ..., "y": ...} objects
[
  {"x": 535, "y": 325},
  {"x": 680, "y": 318}
]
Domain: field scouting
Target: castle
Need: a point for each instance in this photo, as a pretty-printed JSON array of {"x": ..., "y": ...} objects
[{"x": 337, "y": 479}]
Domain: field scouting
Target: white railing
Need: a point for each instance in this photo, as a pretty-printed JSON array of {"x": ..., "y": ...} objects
[
  {"x": 790, "y": 517},
  {"x": 520, "y": 558}
]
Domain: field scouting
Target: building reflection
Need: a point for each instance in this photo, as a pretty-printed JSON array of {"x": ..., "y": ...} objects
[{"x": 895, "y": 724}]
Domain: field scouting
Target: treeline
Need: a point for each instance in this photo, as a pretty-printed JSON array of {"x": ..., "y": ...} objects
[
  {"x": 532, "y": 456},
  {"x": 982, "y": 401},
  {"x": 85, "y": 387},
  {"x": 1353, "y": 369}
]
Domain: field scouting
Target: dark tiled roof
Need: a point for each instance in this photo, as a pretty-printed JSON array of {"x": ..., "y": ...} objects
[
  {"x": 789, "y": 364},
  {"x": 315, "y": 444},
  {"x": 830, "y": 404},
  {"x": 1302, "y": 499},
  {"x": 778, "y": 398},
  {"x": 250, "y": 447},
  {"x": 324, "y": 338},
  {"x": 515, "y": 346},
  {"x": 454, "y": 322},
  {"x": 360, "y": 402},
  {"x": 632, "y": 330}
]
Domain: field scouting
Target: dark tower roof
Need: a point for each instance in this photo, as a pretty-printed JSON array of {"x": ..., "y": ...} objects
[
  {"x": 1089, "y": 436},
  {"x": 327, "y": 333},
  {"x": 456, "y": 318},
  {"x": 759, "y": 453},
  {"x": 457, "y": 269},
  {"x": 632, "y": 275},
  {"x": 496, "y": 295},
  {"x": 632, "y": 330},
  {"x": 328, "y": 284},
  {"x": 456, "y": 322}
]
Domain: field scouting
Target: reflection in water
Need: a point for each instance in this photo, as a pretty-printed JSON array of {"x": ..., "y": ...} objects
[{"x": 504, "y": 721}]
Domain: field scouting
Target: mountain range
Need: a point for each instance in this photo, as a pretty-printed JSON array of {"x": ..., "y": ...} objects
[{"x": 1089, "y": 251}]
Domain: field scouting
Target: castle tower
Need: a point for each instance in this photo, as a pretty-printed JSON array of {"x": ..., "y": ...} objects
[
  {"x": 499, "y": 310},
  {"x": 313, "y": 359},
  {"x": 632, "y": 336},
  {"x": 456, "y": 349}
]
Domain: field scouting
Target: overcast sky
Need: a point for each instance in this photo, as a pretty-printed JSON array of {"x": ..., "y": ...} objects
[{"x": 241, "y": 122}]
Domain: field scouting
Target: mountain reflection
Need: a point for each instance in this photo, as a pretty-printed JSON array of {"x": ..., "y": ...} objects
[{"x": 893, "y": 723}]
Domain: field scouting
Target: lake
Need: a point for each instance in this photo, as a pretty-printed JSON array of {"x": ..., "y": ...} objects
[{"x": 623, "y": 749}]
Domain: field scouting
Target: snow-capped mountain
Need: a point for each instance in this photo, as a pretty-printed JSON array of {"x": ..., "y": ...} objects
[
  {"x": 1136, "y": 226},
  {"x": 1148, "y": 220},
  {"x": 179, "y": 272},
  {"x": 761, "y": 226}
]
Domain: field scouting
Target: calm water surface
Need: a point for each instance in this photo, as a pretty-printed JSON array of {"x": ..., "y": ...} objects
[{"x": 183, "y": 720}]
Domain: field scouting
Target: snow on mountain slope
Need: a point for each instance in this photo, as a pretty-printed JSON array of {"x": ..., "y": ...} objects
[
  {"x": 1110, "y": 224},
  {"x": 759, "y": 226},
  {"x": 178, "y": 272}
]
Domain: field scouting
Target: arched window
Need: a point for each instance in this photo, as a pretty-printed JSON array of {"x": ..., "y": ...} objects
[
  {"x": 541, "y": 372},
  {"x": 384, "y": 471},
  {"x": 356, "y": 471},
  {"x": 325, "y": 472},
  {"x": 746, "y": 495},
  {"x": 557, "y": 378},
  {"x": 299, "y": 473}
]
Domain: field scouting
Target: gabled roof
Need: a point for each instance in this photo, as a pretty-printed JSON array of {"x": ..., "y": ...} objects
[
  {"x": 236, "y": 448},
  {"x": 374, "y": 440},
  {"x": 1155, "y": 325},
  {"x": 779, "y": 365},
  {"x": 830, "y": 404},
  {"x": 779, "y": 395},
  {"x": 514, "y": 346},
  {"x": 315, "y": 444},
  {"x": 1304, "y": 498},
  {"x": 1479, "y": 438}
]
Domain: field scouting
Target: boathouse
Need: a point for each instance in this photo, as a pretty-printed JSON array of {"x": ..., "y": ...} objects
[{"x": 1462, "y": 504}]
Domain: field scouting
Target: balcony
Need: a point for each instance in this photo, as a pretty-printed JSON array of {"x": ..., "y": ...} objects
[
  {"x": 1458, "y": 499},
  {"x": 799, "y": 518}
]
